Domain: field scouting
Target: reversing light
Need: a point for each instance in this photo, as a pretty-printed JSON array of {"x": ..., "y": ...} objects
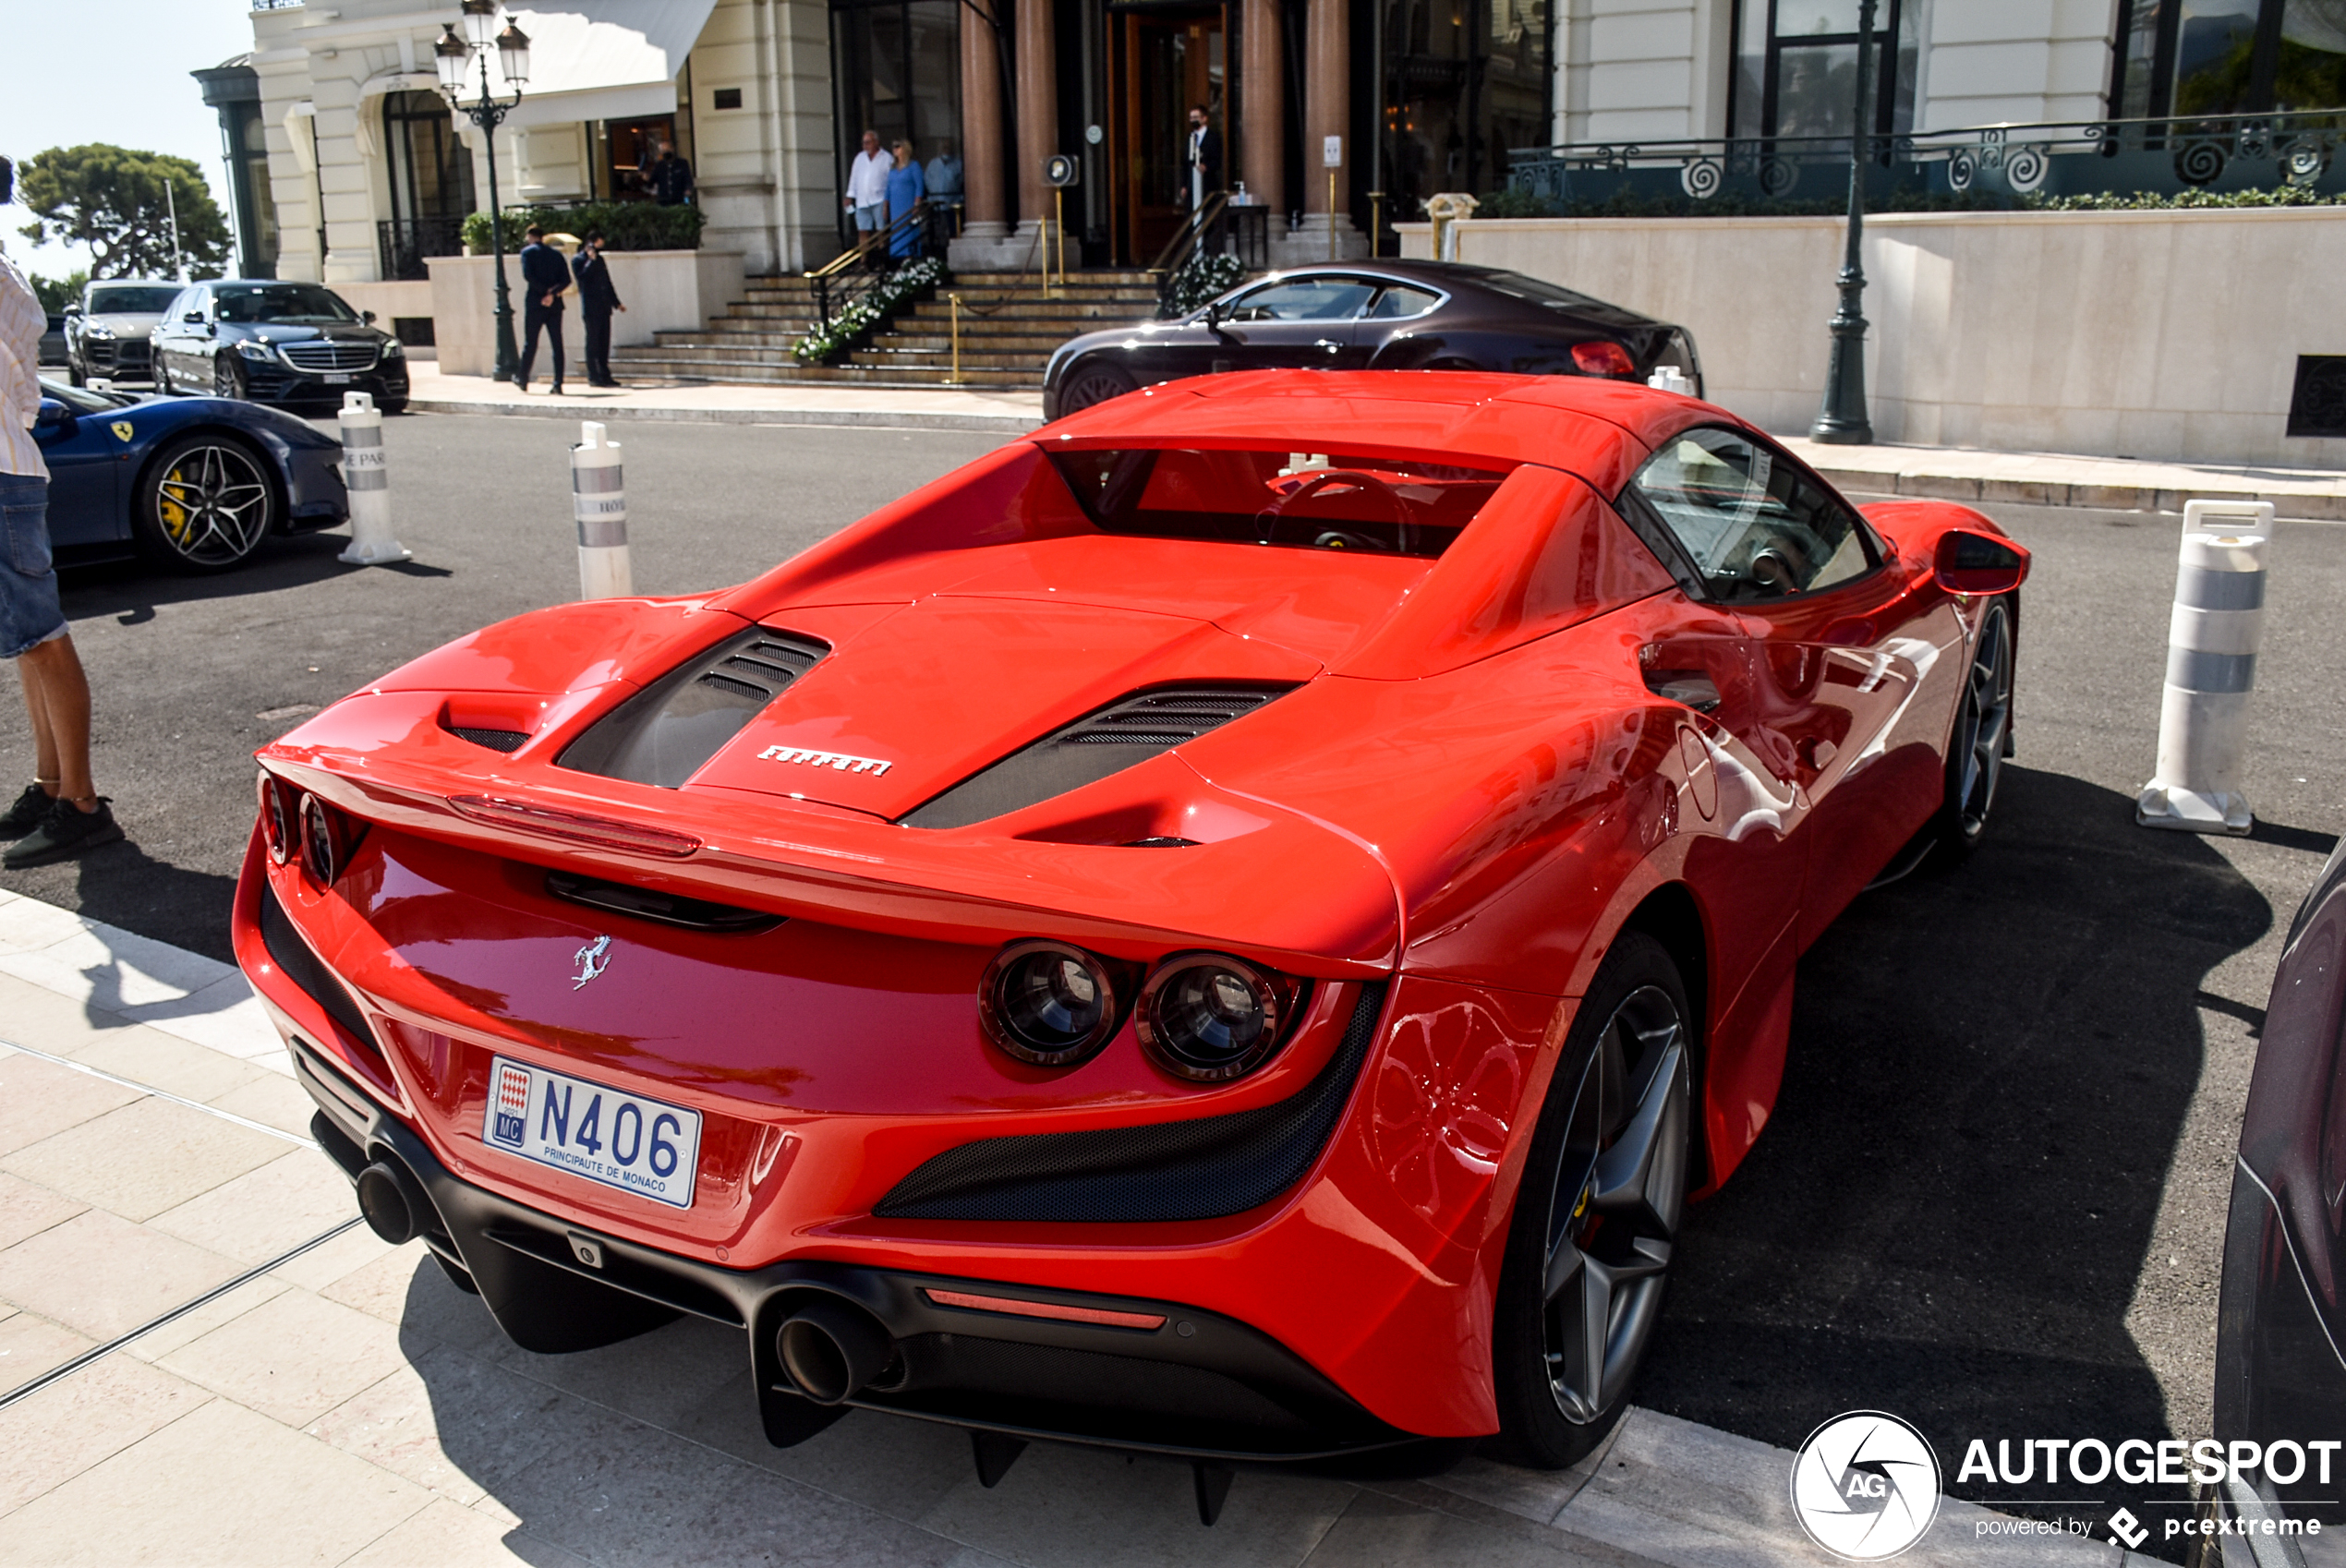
[
  {"x": 280, "y": 834},
  {"x": 1049, "y": 1004},
  {"x": 1210, "y": 1018},
  {"x": 1604, "y": 358}
]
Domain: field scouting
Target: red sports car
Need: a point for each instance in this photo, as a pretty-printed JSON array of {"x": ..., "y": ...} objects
[{"x": 1229, "y": 926}]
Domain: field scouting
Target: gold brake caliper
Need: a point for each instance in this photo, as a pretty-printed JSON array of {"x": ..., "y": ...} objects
[{"x": 174, "y": 514}]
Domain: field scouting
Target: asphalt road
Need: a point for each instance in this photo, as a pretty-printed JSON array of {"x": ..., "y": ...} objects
[{"x": 1992, "y": 1197}]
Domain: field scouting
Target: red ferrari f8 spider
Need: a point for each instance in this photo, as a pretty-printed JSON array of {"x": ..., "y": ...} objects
[{"x": 1230, "y": 927}]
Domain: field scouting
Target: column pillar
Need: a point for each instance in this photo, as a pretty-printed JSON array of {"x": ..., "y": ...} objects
[
  {"x": 983, "y": 246},
  {"x": 1038, "y": 111},
  {"x": 1263, "y": 107},
  {"x": 1327, "y": 111}
]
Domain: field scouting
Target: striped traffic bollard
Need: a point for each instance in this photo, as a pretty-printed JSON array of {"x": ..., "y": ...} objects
[
  {"x": 2211, "y": 667},
  {"x": 371, "y": 543},
  {"x": 598, "y": 500}
]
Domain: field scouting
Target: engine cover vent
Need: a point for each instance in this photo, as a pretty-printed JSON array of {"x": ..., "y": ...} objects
[
  {"x": 1106, "y": 741},
  {"x": 664, "y": 734},
  {"x": 495, "y": 739}
]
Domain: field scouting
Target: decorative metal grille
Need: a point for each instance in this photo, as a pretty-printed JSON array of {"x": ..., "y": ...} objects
[{"x": 320, "y": 354}]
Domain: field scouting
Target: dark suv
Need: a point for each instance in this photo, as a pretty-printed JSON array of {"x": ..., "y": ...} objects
[{"x": 298, "y": 345}]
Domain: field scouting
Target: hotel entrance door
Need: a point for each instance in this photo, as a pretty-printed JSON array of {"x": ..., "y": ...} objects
[{"x": 1173, "y": 59}]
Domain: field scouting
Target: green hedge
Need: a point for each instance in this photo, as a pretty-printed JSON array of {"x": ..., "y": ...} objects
[{"x": 625, "y": 225}]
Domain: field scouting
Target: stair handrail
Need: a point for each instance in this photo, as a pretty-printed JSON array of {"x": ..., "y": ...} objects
[
  {"x": 871, "y": 260},
  {"x": 1183, "y": 250}
]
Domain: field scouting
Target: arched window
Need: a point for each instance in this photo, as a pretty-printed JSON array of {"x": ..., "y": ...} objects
[{"x": 430, "y": 179}]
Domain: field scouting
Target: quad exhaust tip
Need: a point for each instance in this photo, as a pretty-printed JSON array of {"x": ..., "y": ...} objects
[
  {"x": 388, "y": 1199},
  {"x": 833, "y": 1348}
]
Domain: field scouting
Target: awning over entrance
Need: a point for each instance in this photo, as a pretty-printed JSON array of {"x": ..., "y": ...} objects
[{"x": 605, "y": 59}]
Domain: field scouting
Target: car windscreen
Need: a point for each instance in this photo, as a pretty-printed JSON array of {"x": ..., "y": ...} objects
[
  {"x": 81, "y": 399},
  {"x": 281, "y": 302},
  {"x": 130, "y": 299},
  {"x": 1405, "y": 505}
]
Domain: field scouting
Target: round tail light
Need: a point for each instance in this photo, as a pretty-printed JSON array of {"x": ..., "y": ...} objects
[
  {"x": 279, "y": 833},
  {"x": 1049, "y": 1004},
  {"x": 1209, "y": 1017},
  {"x": 323, "y": 845}
]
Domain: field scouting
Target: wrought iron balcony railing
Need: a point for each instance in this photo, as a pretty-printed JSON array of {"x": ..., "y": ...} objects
[
  {"x": 403, "y": 243},
  {"x": 1992, "y": 164}
]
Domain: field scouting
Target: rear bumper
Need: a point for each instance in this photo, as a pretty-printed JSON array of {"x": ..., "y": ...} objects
[{"x": 1195, "y": 1384}]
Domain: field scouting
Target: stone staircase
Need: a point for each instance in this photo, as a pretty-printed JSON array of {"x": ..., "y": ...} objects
[{"x": 1008, "y": 332}]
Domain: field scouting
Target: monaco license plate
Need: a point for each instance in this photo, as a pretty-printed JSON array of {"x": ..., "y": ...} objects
[
  {"x": 337, "y": 378},
  {"x": 623, "y": 1141}
]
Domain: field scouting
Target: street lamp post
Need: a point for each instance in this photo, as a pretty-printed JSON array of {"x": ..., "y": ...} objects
[
  {"x": 454, "y": 56},
  {"x": 1842, "y": 420}
]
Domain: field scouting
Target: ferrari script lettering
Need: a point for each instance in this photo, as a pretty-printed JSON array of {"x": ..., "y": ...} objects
[{"x": 840, "y": 760}]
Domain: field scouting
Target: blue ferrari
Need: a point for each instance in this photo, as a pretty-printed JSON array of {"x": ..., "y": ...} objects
[{"x": 190, "y": 483}]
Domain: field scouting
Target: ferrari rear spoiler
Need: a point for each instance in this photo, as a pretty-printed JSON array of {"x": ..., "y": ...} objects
[{"x": 1292, "y": 892}]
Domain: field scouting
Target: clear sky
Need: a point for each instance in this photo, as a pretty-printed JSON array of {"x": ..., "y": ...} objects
[{"x": 76, "y": 71}]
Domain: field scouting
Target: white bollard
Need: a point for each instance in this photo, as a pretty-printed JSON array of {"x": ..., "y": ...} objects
[
  {"x": 598, "y": 500},
  {"x": 2211, "y": 667},
  {"x": 363, "y": 475},
  {"x": 1669, "y": 379}
]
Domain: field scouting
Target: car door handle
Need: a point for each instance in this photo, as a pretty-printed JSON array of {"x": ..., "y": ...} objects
[{"x": 1330, "y": 344}]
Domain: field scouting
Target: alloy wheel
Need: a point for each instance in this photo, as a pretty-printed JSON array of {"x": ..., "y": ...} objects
[
  {"x": 225, "y": 381},
  {"x": 1984, "y": 727},
  {"x": 212, "y": 505},
  {"x": 1093, "y": 384},
  {"x": 1619, "y": 1191}
]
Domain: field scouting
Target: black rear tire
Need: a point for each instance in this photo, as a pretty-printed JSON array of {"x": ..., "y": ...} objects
[
  {"x": 1982, "y": 735},
  {"x": 1596, "y": 1219}
]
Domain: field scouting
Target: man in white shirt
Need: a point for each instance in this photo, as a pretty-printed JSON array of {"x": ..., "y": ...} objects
[
  {"x": 868, "y": 189},
  {"x": 60, "y": 812}
]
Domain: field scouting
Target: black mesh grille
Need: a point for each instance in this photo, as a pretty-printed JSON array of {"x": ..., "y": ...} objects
[
  {"x": 1051, "y": 1374},
  {"x": 1201, "y": 1169},
  {"x": 297, "y": 963},
  {"x": 665, "y": 733},
  {"x": 495, "y": 739},
  {"x": 1106, "y": 741}
]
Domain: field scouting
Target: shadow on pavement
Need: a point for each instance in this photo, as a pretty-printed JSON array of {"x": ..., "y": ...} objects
[
  {"x": 123, "y": 886},
  {"x": 130, "y": 590},
  {"x": 1948, "y": 1215}
]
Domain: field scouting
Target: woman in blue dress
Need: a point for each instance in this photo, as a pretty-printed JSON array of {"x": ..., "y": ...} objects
[{"x": 906, "y": 189}]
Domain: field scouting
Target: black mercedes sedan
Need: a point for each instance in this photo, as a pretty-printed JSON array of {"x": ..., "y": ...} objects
[
  {"x": 1396, "y": 315},
  {"x": 2280, "y": 1374},
  {"x": 296, "y": 345}
]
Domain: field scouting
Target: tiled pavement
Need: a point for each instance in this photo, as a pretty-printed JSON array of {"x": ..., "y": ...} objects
[{"x": 350, "y": 1405}]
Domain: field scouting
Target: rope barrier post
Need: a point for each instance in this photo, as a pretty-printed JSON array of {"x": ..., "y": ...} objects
[
  {"x": 364, "y": 476},
  {"x": 2212, "y": 637},
  {"x": 598, "y": 500},
  {"x": 955, "y": 378}
]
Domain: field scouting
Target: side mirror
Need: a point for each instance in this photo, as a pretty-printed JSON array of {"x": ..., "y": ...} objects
[
  {"x": 367, "y": 316},
  {"x": 74, "y": 308},
  {"x": 53, "y": 417},
  {"x": 1216, "y": 313},
  {"x": 1978, "y": 563}
]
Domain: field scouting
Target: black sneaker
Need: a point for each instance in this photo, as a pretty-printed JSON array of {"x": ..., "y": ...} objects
[
  {"x": 26, "y": 814},
  {"x": 66, "y": 831}
]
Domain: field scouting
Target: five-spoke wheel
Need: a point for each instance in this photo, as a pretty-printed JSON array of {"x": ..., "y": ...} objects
[
  {"x": 1597, "y": 1217},
  {"x": 205, "y": 505}
]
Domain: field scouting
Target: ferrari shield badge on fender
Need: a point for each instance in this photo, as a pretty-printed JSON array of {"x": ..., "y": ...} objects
[
  {"x": 123, "y": 428},
  {"x": 590, "y": 963}
]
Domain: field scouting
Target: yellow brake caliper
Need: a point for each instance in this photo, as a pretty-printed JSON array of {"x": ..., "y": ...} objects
[{"x": 175, "y": 515}]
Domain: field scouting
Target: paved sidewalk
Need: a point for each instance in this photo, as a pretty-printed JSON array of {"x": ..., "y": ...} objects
[
  {"x": 2035, "y": 479},
  {"x": 349, "y": 1406},
  {"x": 1009, "y": 412}
]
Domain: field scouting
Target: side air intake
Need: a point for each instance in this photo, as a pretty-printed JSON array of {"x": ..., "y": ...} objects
[
  {"x": 1107, "y": 741},
  {"x": 666, "y": 732}
]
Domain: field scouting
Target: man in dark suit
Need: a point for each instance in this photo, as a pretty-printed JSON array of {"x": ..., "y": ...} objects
[
  {"x": 672, "y": 178},
  {"x": 597, "y": 300},
  {"x": 544, "y": 280},
  {"x": 1204, "y": 157}
]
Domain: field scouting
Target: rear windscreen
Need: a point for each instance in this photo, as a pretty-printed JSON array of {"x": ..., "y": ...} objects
[{"x": 1297, "y": 499}]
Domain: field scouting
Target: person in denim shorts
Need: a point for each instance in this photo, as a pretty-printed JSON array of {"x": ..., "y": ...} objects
[{"x": 60, "y": 813}]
